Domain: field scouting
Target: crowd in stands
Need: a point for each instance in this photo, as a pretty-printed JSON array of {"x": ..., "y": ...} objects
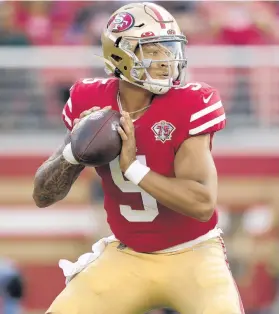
[
  {"x": 245, "y": 91},
  {"x": 80, "y": 22}
]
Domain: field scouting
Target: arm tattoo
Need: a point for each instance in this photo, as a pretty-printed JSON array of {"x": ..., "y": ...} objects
[{"x": 54, "y": 179}]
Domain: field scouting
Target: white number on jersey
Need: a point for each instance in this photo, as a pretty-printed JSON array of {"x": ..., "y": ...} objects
[
  {"x": 150, "y": 211},
  {"x": 195, "y": 86},
  {"x": 95, "y": 80}
]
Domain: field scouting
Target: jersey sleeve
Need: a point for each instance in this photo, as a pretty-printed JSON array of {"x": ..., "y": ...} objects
[
  {"x": 74, "y": 105},
  {"x": 67, "y": 114},
  {"x": 207, "y": 112},
  {"x": 85, "y": 94}
]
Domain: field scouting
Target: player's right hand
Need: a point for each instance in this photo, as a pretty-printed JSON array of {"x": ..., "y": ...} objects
[
  {"x": 89, "y": 111},
  {"x": 67, "y": 151}
]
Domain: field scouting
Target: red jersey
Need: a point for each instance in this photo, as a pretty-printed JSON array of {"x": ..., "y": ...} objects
[{"x": 134, "y": 216}]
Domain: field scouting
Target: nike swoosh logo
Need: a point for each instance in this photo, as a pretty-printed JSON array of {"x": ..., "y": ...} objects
[{"x": 206, "y": 100}]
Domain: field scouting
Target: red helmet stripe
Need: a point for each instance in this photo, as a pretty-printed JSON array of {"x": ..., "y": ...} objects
[{"x": 158, "y": 15}]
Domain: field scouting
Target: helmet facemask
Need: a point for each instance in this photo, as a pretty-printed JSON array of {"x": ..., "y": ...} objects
[
  {"x": 156, "y": 75},
  {"x": 170, "y": 65}
]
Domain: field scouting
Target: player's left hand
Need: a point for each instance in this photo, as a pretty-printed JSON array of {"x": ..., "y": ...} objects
[{"x": 127, "y": 133}]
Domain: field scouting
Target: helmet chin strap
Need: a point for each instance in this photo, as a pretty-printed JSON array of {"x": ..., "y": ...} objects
[
  {"x": 156, "y": 89},
  {"x": 156, "y": 86}
]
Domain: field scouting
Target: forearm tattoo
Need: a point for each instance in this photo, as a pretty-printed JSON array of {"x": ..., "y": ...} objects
[{"x": 53, "y": 181}]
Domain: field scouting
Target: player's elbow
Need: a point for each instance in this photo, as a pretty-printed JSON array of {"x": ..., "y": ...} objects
[
  {"x": 41, "y": 205},
  {"x": 206, "y": 208},
  {"x": 206, "y": 213},
  {"x": 42, "y": 201}
]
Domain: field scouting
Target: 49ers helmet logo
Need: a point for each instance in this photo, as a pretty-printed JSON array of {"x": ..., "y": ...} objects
[{"x": 121, "y": 22}]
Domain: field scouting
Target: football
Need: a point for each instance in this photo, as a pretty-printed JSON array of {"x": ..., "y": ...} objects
[{"x": 95, "y": 140}]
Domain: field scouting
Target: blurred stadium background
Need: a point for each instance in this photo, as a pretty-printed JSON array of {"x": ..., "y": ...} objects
[{"x": 45, "y": 46}]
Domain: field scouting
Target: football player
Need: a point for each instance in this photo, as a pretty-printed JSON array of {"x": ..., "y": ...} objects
[{"x": 160, "y": 194}]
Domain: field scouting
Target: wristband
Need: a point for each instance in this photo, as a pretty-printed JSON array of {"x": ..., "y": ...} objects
[
  {"x": 136, "y": 172},
  {"x": 68, "y": 155}
]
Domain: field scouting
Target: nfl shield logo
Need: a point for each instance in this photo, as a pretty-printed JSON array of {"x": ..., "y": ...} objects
[{"x": 163, "y": 131}]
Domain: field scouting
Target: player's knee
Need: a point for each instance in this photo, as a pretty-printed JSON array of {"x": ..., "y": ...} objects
[
  {"x": 14, "y": 287},
  {"x": 64, "y": 304},
  {"x": 60, "y": 310}
]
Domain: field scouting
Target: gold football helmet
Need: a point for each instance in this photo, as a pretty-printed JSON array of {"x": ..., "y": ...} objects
[{"x": 143, "y": 44}]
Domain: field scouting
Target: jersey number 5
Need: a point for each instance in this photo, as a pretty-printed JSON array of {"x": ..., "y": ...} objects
[{"x": 150, "y": 206}]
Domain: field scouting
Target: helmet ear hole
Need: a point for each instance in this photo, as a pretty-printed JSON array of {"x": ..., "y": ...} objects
[{"x": 116, "y": 58}]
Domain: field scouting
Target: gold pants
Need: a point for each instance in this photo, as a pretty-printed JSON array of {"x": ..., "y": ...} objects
[{"x": 121, "y": 281}]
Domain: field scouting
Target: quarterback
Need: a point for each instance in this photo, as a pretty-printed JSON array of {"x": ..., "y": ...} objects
[{"x": 160, "y": 193}]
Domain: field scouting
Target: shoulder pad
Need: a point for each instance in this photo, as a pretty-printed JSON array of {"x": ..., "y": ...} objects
[{"x": 206, "y": 111}]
